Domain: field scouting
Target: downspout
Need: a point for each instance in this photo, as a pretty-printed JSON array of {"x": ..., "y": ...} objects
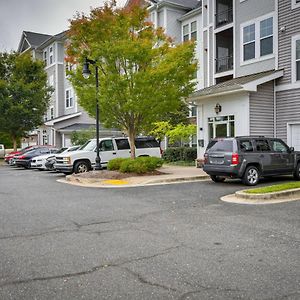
[{"x": 275, "y": 108}]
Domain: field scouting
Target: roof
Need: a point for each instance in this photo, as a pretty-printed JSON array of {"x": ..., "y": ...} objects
[
  {"x": 244, "y": 83},
  {"x": 78, "y": 126},
  {"x": 34, "y": 38},
  {"x": 52, "y": 38},
  {"x": 185, "y": 4}
]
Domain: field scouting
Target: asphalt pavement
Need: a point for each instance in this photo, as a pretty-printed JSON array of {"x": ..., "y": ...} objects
[{"x": 177, "y": 241}]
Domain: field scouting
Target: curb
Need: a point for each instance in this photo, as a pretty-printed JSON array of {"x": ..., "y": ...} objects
[
  {"x": 100, "y": 183},
  {"x": 240, "y": 197}
]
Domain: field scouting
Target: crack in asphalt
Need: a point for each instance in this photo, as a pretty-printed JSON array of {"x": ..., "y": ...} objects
[
  {"x": 141, "y": 279},
  {"x": 86, "y": 272}
]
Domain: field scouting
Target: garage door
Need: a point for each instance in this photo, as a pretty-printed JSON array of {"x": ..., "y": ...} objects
[{"x": 295, "y": 136}]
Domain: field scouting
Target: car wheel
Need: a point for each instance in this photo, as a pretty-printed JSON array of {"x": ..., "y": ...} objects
[
  {"x": 297, "y": 172},
  {"x": 251, "y": 176},
  {"x": 81, "y": 167},
  {"x": 217, "y": 178}
]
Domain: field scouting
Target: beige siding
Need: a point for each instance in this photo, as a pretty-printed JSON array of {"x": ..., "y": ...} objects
[
  {"x": 288, "y": 110},
  {"x": 262, "y": 110},
  {"x": 289, "y": 19}
]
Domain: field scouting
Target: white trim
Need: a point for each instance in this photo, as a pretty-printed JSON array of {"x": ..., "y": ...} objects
[
  {"x": 257, "y": 40},
  {"x": 234, "y": 39},
  {"x": 224, "y": 27},
  {"x": 71, "y": 96},
  {"x": 288, "y": 86},
  {"x": 293, "y": 59},
  {"x": 62, "y": 118},
  {"x": 275, "y": 36},
  {"x": 165, "y": 18},
  {"x": 221, "y": 74},
  {"x": 288, "y": 131},
  {"x": 294, "y": 4},
  {"x": 274, "y": 109}
]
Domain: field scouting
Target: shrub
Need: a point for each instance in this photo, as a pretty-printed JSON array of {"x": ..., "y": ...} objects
[
  {"x": 115, "y": 164},
  {"x": 139, "y": 165},
  {"x": 180, "y": 154}
]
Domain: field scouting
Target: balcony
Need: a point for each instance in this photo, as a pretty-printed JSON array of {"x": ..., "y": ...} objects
[
  {"x": 224, "y": 17},
  {"x": 224, "y": 64}
]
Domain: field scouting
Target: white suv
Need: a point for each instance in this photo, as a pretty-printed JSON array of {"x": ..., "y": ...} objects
[{"x": 83, "y": 160}]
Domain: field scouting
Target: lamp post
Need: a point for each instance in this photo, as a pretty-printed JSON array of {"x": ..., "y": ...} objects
[{"x": 86, "y": 73}]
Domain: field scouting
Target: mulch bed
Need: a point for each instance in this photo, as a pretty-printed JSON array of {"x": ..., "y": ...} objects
[{"x": 105, "y": 174}]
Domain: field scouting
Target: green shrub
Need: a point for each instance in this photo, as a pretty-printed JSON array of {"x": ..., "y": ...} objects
[
  {"x": 180, "y": 154},
  {"x": 189, "y": 153},
  {"x": 115, "y": 164},
  {"x": 139, "y": 165}
]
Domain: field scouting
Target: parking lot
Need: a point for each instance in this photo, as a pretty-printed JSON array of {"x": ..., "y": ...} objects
[{"x": 176, "y": 241}]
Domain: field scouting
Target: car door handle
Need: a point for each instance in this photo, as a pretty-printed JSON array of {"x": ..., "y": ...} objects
[{"x": 114, "y": 153}]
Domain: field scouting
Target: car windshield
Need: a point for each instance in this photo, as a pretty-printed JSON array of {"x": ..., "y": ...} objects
[
  {"x": 220, "y": 145},
  {"x": 88, "y": 146}
]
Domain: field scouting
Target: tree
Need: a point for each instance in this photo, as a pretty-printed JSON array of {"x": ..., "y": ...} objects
[
  {"x": 143, "y": 75},
  {"x": 24, "y": 94},
  {"x": 82, "y": 136}
]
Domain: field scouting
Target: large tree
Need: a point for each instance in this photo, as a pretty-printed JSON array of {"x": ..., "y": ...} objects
[
  {"x": 143, "y": 75},
  {"x": 24, "y": 94}
]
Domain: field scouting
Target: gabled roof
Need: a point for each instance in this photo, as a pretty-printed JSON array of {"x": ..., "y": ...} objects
[
  {"x": 58, "y": 37},
  {"x": 31, "y": 40},
  {"x": 245, "y": 83}
]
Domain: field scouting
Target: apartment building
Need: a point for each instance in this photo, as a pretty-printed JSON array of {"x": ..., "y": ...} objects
[
  {"x": 64, "y": 114},
  {"x": 249, "y": 64}
]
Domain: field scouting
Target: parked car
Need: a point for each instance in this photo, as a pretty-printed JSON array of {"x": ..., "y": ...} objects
[
  {"x": 250, "y": 158},
  {"x": 9, "y": 156},
  {"x": 83, "y": 160},
  {"x": 39, "y": 162},
  {"x": 24, "y": 160},
  {"x": 2, "y": 151}
]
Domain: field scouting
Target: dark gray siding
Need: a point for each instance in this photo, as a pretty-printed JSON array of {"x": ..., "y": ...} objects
[
  {"x": 288, "y": 110},
  {"x": 289, "y": 19},
  {"x": 262, "y": 110}
]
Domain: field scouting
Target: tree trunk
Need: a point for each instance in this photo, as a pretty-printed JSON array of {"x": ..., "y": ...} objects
[
  {"x": 131, "y": 135},
  {"x": 15, "y": 143}
]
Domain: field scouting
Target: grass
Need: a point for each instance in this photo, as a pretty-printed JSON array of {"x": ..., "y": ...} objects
[
  {"x": 181, "y": 163},
  {"x": 275, "y": 188}
]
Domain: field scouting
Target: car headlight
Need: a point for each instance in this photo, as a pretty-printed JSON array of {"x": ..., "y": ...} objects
[{"x": 67, "y": 160}]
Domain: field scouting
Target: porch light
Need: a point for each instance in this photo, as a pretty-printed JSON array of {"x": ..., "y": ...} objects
[{"x": 218, "y": 108}]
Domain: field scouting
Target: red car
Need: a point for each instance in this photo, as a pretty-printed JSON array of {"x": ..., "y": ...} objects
[{"x": 11, "y": 155}]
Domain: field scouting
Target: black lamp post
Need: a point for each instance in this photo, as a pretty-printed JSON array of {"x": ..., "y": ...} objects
[{"x": 86, "y": 73}]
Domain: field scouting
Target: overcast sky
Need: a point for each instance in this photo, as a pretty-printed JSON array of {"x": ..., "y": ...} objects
[{"x": 43, "y": 16}]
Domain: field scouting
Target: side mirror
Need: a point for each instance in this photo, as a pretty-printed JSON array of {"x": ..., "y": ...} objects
[{"x": 291, "y": 149}]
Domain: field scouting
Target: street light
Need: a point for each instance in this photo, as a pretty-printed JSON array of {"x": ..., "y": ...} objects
[{"x": 86, "y": 73}]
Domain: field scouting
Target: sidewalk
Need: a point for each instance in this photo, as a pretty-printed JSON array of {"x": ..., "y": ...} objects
[{"x": 171, "y": 174}]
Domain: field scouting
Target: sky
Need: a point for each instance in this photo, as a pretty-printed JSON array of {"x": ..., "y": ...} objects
[{"x": 42, "y": 16}]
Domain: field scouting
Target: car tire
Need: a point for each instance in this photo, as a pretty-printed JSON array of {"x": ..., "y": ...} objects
[
  {"x": 81, "y": 167},
  {"x": 297, "y": 172},
  {"x": 215, "y": 178},
  {"x": 251, "y": 176}
]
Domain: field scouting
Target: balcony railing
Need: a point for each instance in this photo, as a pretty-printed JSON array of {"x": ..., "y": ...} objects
[
  {"x": 224, "y": 17},
  {"x": 224, "y": 64}
]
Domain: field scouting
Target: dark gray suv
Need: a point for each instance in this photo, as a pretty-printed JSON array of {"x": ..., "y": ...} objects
[{"x": 250, "y": 158}]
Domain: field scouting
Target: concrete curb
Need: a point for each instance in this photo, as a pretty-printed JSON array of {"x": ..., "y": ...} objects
[
  {"x": 241, "y": 197},
  {"x": 132, "y": 181}
]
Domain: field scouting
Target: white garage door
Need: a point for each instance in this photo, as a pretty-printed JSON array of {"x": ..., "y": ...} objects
[{"x": 295, "y": 136}]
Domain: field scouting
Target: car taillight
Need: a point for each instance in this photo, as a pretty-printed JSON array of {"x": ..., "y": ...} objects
[
  {"x": 235, "y": 159},
  {"x": 205, "y": 158}
]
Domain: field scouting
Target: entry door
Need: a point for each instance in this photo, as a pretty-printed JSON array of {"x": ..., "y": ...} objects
[{"x": 295, "y": 136}]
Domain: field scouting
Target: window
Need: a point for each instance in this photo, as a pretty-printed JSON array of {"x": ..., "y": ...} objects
[
  {"x": 249, "y": 42},
  {"x": 45, "y": 58},
  {"x": 185, "y": 32},
  {"x": 194, "y": 31},
  {"x": 266, "y": 37},
  {"x": 220, "y": 145},
  {"x": 69, "y": 98},
  {"x": 69, "y": 68},
  {"x": 51, "y": 113},
  {"x": 278, "y": 146},
  {"x": 146, "y": 143},
  {"x": 106, "y": 145},
  {"x": 298, "y": 60},
  {"x": 257, "y": 39},
  {"x": 262, "y": 145},
  {"x": 51, "y": 80},
  {"x": 246, "y": 146},
  {"x": 193, "y": 111},
  {"x": 51, "y": 55},
  {"x": 122, "y": 144}
]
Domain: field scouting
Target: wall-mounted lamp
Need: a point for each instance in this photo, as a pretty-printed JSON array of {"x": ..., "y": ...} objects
[
  {"x": 218, "y": 108},
  {"x": 205, "y": 6}
]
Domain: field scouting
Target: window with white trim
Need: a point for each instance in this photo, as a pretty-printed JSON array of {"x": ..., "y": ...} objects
[
  {"x": 249, "y": 42},
  {"x": 297, "y": 62},
  {"x": 69, "y": 98},
  {"x": 185, "y": 32},
  {"x": 257, "y": 39},
  {"x": 266, "y": 36},
  {"x": 194, "y": 31},
  {"x": 45, "y": 58},
  {"x": 51, "y": 55}
]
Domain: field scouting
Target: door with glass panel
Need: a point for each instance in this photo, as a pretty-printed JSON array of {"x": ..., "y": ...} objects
[{"x": 221, "y": 127}]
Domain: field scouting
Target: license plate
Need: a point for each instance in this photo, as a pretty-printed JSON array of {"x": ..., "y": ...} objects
[{"x": 216, "y": 162}]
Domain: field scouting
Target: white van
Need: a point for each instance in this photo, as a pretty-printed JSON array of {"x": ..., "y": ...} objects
[
  {"x": 2, "y": 151},
  {"x": 83, "y": 160}
]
